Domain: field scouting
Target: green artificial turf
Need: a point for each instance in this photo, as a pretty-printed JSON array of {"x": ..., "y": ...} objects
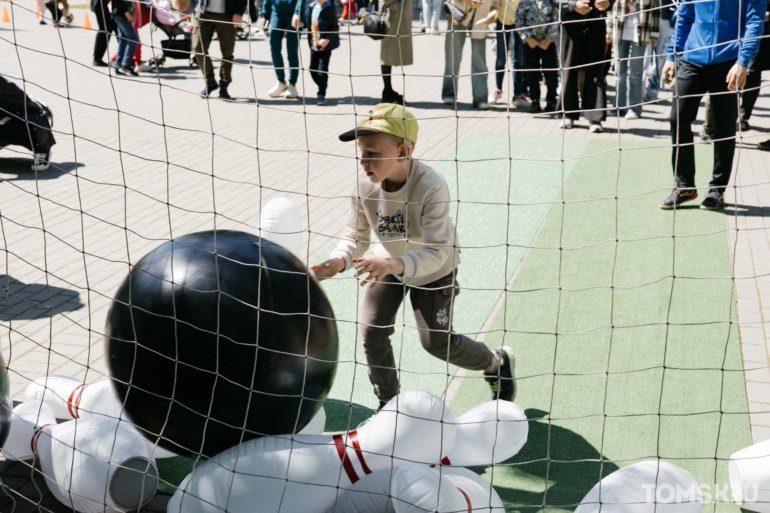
[{"x": 617, "y": 360}]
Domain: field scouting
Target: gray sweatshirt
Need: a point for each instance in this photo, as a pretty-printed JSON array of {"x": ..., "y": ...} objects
[{"x": 412, "y": 223}]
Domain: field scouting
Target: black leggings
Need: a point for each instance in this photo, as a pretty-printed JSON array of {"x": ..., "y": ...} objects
[
  {"x": 319, "y": 69},
  {"x": 56, "y": 13}
]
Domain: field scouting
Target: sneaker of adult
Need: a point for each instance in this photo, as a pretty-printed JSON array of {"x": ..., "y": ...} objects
[
  {"x": 567, "y": 123},
  {"x": 98, "y": 63},
  {"x": 41, "y": 161},
  {"x": 291, "y": 92},
  {"x": 42, "y": 22},
  {"x": 764, "y": 145},
  {"x": 391, "y": 96},
  {"x": 278, "y": 89},
  {"x": 210, "y": 88},
  {"x": 520, "y": 102},
  {"x": 502, "y": 382},
  {"x": 224, "y": 94},
  {"x": 714, "y": 201},
  {"x": 744, "y": 126},
  {"x": 595, "y": 128},
  {"x": 481, "y": 105},
  {"x": 632, "y": 114},
  {"x": 145, "y": 68},
  {"x": 678, "y": 196},
  {"x": 706, "y": 136},
  {"x": 448, "y": 100},
  {"x": 129, "y": 71},
  {"x": 321, "y": 100},
  {"x": 495, "y": 96},
  {"x": 534, "y": 107}
]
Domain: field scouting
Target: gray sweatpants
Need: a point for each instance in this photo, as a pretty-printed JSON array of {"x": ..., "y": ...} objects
[{"x": 432, "y": 305}]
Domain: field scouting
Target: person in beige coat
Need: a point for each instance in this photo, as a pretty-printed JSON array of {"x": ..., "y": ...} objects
[
  {"x": 396, "y": 46},
  {"x": 468, "y": 17}
]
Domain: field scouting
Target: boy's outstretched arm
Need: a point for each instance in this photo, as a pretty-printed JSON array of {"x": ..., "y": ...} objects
[{"x": 328, "y": 268}]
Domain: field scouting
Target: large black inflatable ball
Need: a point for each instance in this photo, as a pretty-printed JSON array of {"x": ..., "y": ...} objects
[
  {"x": 6, "y": 403},
  {"x": 220, "y": 337}
]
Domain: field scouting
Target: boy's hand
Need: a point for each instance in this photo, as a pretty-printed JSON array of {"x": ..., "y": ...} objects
[
  {"x": 582, "y": 7},
  {"x": 327, "y": 269},
  {"x": 532, "y": 42},
  {"x": 378, "y": 268}
]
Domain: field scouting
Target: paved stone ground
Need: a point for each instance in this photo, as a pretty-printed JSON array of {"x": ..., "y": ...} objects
[{"x": 140, "y": 160}]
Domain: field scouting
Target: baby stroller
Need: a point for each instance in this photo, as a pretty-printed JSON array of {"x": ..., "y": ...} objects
[
  {"x": 25, "y": 121},
  {"x": 173, "y": 25}
]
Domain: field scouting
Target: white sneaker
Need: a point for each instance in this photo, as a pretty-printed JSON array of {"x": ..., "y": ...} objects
[
  {"x": 291, "y": 92},
  {"x": 595, "y": 128},
  {"x": 278, "y": 89},
  {"x": 566, "y": 123},
  {"x": 520, "y": 102},
  {"x": 258, "y": 32},
  {"x": 495, "y": 97},
  {"x": 632, "y": 115},
  {"x": 41, "y": 161},
  {"x": 145, "y": 68}
]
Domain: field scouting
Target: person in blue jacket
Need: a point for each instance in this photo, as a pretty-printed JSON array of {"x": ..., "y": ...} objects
[
  {"x": 284, "y": 20},
  {"x": 713, "y": 43}
]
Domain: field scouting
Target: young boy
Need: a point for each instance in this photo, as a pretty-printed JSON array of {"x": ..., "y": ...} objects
[
  {"x": 324, "y": 37},
  {"x": 406, "y": 203}
]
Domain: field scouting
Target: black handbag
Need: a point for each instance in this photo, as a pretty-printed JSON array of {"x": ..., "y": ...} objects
[{"x": 375, "y": 25}]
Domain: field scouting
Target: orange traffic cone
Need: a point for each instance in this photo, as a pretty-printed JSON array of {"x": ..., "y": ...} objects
[
  {"x": 37, "y": 14},
  {"x": 87, "y": 22},
  {"x": 6, "y": 18}
]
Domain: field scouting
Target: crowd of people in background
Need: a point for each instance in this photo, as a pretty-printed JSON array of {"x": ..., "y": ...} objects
[{"x": 568, "y": 46}]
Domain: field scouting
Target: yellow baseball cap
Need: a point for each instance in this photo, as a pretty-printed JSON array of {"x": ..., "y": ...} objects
[{"x": 387, "y": 118}]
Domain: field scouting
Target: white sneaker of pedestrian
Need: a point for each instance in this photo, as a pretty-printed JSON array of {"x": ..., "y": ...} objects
[
  {"x": 632, "y": 115},
  {"x": 41, "y": 161},
  {"x": 291, "y": 92},
  {"x": 520, "y": 102},
  {"x": 258, "y": 32},
  {"x": 145, "y": 68},
  {"x": 566, "y": 123},
  {"x": 495, "y": 96},
  {"x": 595, "y": 128},
  {"x": 278, "y": 89}
]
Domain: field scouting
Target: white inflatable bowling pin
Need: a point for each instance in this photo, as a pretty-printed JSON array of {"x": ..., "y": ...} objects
[
  {"x": 750, "y": 477},
  {"x": 25, "y": 420},
  {"x": 480, "y": 496},
  {"x": 281, "y": 223},
  {"x": 492, "y": 432},
  {"x": 380, "y": 491},
  {"x": 645, "y": 487},
  {"x": 303, "y": 472},
  {"x": 316, "y": 425},
  {"x": 72, "y": 399},
  {"x": 95, "y": 465}
]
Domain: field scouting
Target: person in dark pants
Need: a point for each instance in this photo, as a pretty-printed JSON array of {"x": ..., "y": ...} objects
[
  {"x": 324, "y": 37},
  {"x": 107, "y": 26},
  {"x": 583, "y": 36},
  {"x": 222, "y": 17},
  {"x": 710, "y": 59},
  {"x": 26, "y": 122},
  {"x": 538, "y": 20}
]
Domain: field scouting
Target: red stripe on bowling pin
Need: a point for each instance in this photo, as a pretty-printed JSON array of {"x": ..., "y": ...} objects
[
  {"x": 467, "y": 500},
  {"x": 353, "y": 437},
  {"x": 343, "y": 454},
  {"x": 74, "y": 401},
  {"x": 33, "y": 442}
]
